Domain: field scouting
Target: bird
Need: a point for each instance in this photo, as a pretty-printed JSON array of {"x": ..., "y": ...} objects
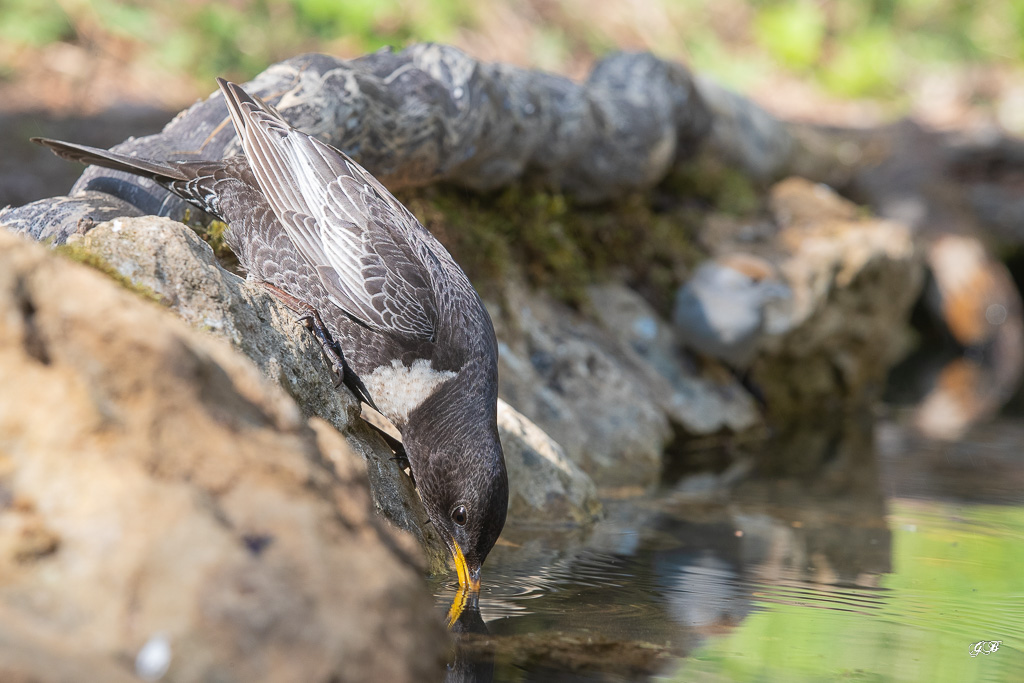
[{"x": 406, "y": 330}]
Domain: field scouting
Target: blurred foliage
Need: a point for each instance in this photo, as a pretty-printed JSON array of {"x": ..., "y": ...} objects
[
  {"x": 849, "y": 47},
  {"x": 238, "y": 38},
  {"x": 32, "y": 22}
]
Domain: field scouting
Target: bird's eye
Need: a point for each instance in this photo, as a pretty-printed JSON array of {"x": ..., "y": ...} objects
[{"x": 459, "y": 515}]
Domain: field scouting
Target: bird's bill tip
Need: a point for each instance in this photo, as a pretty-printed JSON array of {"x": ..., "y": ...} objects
[{"x": 468, "y": 579}]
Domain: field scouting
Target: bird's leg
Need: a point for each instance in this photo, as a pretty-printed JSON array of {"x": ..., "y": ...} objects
[
  {"x": 329, "y": 347},
  {"x": 310, "y": 319}
]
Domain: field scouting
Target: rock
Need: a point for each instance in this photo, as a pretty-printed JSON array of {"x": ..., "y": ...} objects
[
  {"x": 745, "y": 134},
  {"x": 854, "y": 279},
  {"x": 169, "y": 259},
  {"x": 696, "y": 404},
  {"x": 612, "y": 394},
  {"x": 573, "y": 656},
  {"x": 976, "y": 298},
  {"x": 154, "y": 485},
  {"x": 569, "y": 378},
  {"x": 722, "y": 311},
  {"x": 545, "y": 486}
]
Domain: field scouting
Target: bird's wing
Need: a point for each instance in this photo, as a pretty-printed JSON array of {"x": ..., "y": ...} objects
[{"x": 366, "y": 247}]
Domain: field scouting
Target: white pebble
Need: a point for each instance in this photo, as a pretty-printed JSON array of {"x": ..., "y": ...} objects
[{"x": 154, "y": 658}]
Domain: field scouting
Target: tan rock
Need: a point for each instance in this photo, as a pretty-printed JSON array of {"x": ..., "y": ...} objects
[
  {"x": 853, "y": 279},
  {"x": 170, "y": 260},
  {"x": 977, "y": 299},
  {"x": 154, "y": 485}
]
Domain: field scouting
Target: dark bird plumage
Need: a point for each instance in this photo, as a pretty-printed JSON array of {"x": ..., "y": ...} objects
[{"x": 414, "y": 337}]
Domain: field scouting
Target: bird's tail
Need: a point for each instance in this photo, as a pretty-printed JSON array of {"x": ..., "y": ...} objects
[{"x": 161, "y": 173}]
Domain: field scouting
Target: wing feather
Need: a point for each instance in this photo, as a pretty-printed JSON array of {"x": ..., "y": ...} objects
[{"x": 364, "y": 245}]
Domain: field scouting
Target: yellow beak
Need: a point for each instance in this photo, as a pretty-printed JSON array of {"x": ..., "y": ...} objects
[
  {"x": 466, "y": 580},
  {"x": 467, "y": 584}
]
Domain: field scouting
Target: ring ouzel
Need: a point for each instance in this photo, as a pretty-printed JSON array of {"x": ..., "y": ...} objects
[{"x": 402, "y": 321}]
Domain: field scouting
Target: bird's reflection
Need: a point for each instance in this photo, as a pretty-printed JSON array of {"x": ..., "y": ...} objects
[{"x": 468, "y": 666}]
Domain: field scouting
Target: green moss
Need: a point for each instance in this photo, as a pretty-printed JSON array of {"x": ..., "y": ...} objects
[
  {"x": 213, "y": 234},
  {"x": 719, "y": 186},
  {"x": 559, "y": 246},
  {"x": 80, "y": 254}
]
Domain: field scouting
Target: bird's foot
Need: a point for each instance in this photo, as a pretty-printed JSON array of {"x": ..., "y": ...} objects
[
  {"x": 400, "y": 457},
  {"x": 402, "y": 460},
  {"x": 311, "y": 320}
]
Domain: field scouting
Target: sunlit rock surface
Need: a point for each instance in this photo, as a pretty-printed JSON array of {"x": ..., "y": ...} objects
[
  {"x": 154, "y": 485},
  {"x": 545, "y": 486},
  {"x": 853, "y": 280},
  {"x": 172, "y": 261}
]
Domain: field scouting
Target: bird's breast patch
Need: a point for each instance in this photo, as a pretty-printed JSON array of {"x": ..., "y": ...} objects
[{"x": 399, "y": 389}]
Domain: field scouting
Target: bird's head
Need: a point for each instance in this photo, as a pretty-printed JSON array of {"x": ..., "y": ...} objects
[{"x": 462, "y": 481}]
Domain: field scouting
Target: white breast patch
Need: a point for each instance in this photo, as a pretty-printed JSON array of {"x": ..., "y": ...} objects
[{"x": 399, "y": 389}]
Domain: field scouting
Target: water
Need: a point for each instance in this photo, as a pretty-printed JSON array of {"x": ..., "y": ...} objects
[{"x": 855, "y": 554}]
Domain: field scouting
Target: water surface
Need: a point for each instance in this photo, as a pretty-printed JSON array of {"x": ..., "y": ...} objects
[{"x": 858, "y": 553}]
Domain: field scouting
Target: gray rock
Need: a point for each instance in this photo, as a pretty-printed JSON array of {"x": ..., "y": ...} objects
[
  {"x": 721, "y": 311},
  {"x": 697, "y": 404},
  {"x": 568, "y": 377},
  {"x": 745, "y": 134},
  {"x": 545, "y": 486}
]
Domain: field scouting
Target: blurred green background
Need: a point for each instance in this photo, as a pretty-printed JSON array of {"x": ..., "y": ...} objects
[{"x": 893, "y": 52}]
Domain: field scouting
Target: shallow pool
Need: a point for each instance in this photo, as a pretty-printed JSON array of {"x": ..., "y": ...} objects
[{"x": 858, "y": 553}]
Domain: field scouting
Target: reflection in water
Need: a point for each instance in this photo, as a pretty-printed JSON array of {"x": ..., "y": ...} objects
[
  {"x": 705, "y": 593},
  {"x": 809, "y": 569},
  {"x": 459, "y": 603},
  {"x": 464, "y": 666}
]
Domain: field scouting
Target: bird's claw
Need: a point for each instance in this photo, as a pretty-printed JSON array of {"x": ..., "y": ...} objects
[
  {"x": 402, "y": 460},
  {"x": 311, "y": 320}
]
